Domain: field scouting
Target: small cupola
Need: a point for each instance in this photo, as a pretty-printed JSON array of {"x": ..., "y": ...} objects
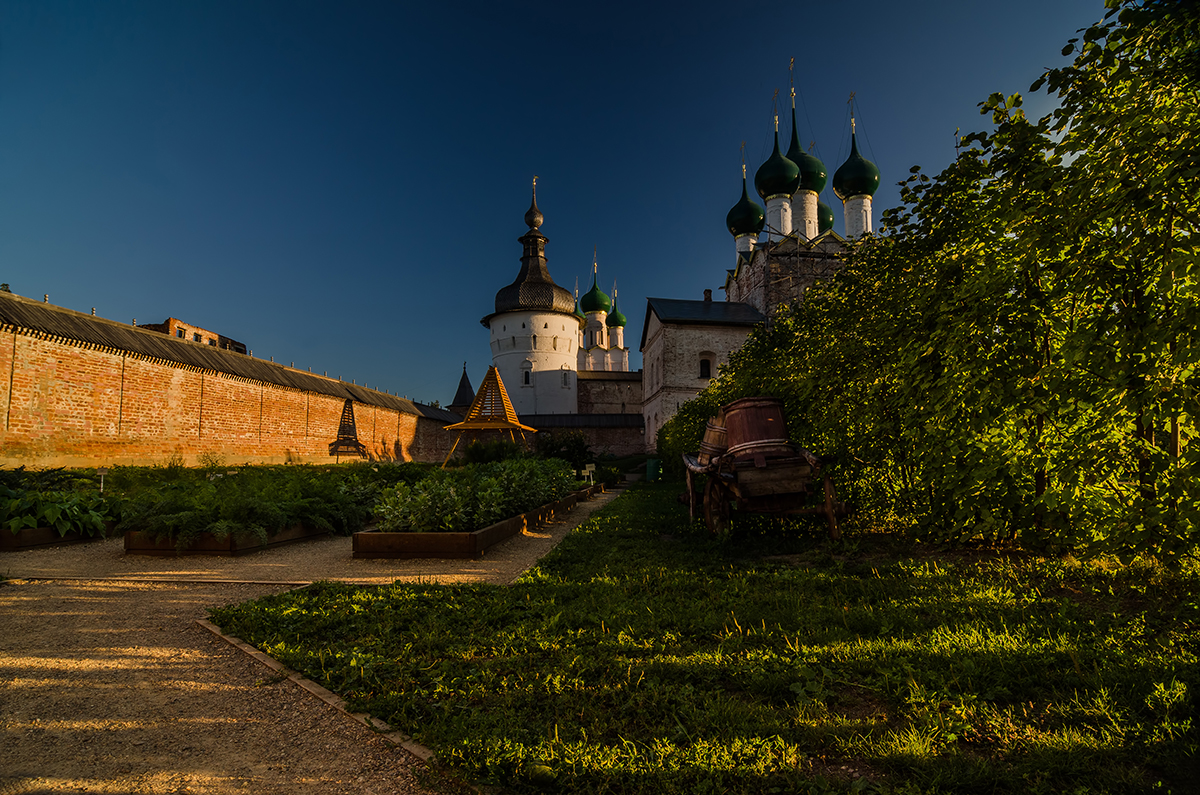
[
  {"x": 824, "y": 217},
  {"x": 812, "y": 170},
  {"x": 857, "y": 176},
  {"x": 594, "y": 300},
  {"x": 615, "y": 318},
  {"x": 747, "y": 216},
  {"x": 778, "y": 176}
]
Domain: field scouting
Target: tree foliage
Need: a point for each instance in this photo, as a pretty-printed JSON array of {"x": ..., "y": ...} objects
[{"x": 1014, "y": 355}]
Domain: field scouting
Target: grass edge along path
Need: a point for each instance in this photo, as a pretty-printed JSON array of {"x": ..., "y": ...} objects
[{"x": 642, "y": 656}]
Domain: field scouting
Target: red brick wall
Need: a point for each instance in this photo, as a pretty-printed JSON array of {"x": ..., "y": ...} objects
[{"x": 71, "y": 404}]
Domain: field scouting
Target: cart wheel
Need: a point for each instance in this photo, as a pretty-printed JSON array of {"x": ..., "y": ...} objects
[{"x": 716, "y": 507}]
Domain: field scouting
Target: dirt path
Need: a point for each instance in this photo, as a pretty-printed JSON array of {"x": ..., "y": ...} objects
[{"x": 110, "y": 687}]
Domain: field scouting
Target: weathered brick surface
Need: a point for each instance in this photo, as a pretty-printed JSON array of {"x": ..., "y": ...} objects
[
  {"x": 619, "y": 442},
  {"x": 610, "y": 392},
  {"x": 672, "y": 375},
  {"x": 71, "y": 404},
  {"x": 780, "y": 275}
]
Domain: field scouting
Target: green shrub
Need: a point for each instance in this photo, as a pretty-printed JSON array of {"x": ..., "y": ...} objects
[
  {"x": 66, "y": 511},
  {"x": 609, "y": 476},
  {"x": 474, "y": 496},
  {"x": 478, "y": 452},
  {"x": 261, "y": 501},
  {"x": 569, "y": 446}
]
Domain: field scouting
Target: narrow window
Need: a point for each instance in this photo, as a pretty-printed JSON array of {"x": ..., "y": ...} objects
[
  {"x": 705, "y": 368},
  {"x": 526, "y": 378}
]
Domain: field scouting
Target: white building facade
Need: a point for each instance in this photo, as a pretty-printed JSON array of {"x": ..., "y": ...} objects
[{"x": 535, "y": 332}]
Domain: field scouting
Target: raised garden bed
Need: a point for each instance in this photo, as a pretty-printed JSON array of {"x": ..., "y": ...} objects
[
  {"x": 375, "y": 544},
  {"x": 37, "y": 537},
  {"x": 136, "y": 543}
]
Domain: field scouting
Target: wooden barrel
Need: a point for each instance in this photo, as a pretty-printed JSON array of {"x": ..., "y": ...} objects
[
  {"x": 755, "y": 428},
  {"x": 713, "y": 445}
]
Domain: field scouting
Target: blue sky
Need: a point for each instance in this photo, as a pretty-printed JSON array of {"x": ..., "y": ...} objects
[{"x": 342, "y": 184}]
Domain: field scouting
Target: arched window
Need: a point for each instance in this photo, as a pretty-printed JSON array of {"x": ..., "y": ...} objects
[{"x": 526, "y": 378}]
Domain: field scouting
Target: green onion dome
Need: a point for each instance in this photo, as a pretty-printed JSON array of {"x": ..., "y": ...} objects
[
  {"x": 615, "y": 318},
  {"x": 824, "y": 217},
  {"x": 778, "y": 176},
  {"x": 747, "y": 216},
  {"x": 812, "y": 170},
  {"x": 857, "y": 176},
  {"x": 594, "y": 300}
]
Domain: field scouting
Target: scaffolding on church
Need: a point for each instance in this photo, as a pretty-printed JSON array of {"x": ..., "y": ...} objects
[
  {"x": 491, "y": 410},
  {"x": 347, "y": 442}
]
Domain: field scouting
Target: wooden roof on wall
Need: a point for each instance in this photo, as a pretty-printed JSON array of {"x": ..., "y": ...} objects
[{"x": 56, "y": 321}]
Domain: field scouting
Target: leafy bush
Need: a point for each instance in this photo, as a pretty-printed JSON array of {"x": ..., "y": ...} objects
[
  {"x": 66, "y": 511},
  {"x": 474, "y": 496},
  {"x": 569, "y": 446},
  {"x": 609, "y": 476},
  {"x": 1013, "y": 356},
  {"x": 55, "y": 479},
  {"x": 478, "y": 452},
  {"x": 261, "y": 501}
]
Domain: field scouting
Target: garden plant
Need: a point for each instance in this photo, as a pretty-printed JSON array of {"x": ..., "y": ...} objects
[{"x": 644, "y": 656}]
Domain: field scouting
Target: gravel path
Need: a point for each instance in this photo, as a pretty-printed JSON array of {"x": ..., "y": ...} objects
[{"x": 107, "y": 685}]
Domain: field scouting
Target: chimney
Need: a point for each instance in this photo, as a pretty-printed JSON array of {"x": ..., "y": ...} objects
[{"x": 708, "y": 295}]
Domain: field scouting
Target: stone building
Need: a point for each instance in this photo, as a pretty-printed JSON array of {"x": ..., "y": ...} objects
[
  {"x": 564, "y": 363},
  {"x": 683, "y": 344},
  {"x": 535, "y": 331},
  {"x": 175, "y": 327},
  {"x": 779, "y": 252}
]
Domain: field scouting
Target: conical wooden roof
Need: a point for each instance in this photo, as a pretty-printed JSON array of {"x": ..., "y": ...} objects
[{"x": 491, "y": 409}]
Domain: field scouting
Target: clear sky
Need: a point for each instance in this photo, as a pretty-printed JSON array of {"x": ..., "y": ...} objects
[{"x": 341, "y": 184}]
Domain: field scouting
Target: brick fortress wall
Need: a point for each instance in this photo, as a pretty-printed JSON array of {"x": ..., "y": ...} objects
[{"x": 70, "y": 403}]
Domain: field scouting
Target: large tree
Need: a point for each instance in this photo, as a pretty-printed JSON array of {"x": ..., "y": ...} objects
[{"x": 1015, "y": 352}]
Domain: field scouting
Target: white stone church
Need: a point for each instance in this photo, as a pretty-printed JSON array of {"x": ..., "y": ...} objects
[{"x": 564, "y": 361}]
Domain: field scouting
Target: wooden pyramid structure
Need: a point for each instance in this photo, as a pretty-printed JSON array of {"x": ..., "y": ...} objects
[{"x": 490, "y": 411}]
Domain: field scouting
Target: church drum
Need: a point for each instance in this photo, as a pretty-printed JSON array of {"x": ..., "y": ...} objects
[{"x": 755, "y": 429}]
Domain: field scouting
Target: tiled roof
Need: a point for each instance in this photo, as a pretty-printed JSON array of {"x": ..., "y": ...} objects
[
  {"x": 548, "y": 421},
  {"x": 609, "y": 375},
  {"x": 700, "y": 313},
  {"x": 55, "y": 321}
]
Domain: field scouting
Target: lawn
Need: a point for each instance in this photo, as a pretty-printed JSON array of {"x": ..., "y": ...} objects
[{"x": 643, "y": 656}]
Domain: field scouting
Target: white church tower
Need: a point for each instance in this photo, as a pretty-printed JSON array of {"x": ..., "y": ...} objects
[
  {"x": 855, "y": 182},
  {"x": 535, "y": 331},
  {"x": 602, "y": 338}
]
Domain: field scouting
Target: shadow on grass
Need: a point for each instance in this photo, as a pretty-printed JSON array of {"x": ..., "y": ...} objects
[{"x": 644, "y": 656}]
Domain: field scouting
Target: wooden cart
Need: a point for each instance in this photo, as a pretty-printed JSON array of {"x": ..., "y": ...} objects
[{"x": 778, "y": 485}]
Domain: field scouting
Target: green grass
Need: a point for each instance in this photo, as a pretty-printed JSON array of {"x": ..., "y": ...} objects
[{"x": 643, "y": 656}]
